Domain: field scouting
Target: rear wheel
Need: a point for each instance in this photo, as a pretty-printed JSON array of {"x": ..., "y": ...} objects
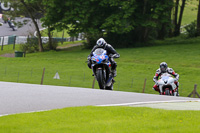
[{"x": 101, "y": 79}]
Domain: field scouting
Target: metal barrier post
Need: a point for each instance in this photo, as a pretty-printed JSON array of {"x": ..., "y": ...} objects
[
  {"x": 14, "y": 42},
  {"x": 2, "y": 44}
]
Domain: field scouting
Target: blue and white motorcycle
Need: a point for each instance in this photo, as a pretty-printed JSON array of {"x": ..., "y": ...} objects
[{"x": 101, "y": 67}]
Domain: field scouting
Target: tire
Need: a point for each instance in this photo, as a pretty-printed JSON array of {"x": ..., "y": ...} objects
[
  {"x": 101, "y": 79},
  {"x": 110, "y": 87},
  {"x": 167, "y": 92}
]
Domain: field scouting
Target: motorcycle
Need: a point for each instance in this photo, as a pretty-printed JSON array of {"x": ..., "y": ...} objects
[
  {"x": 101, "y": 67},
  {"x": 167, "y": 85}
]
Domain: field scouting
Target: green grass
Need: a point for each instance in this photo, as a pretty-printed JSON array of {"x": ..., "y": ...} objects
[
  {"x": 56, "y": 33},
  {"x": 102, "y": 119},
  {"x": 9, "y": 49},
  {"x": 69, "y": 43},
  {"x": 134, "y": 65},
  {"x": 190, "y": 12}
]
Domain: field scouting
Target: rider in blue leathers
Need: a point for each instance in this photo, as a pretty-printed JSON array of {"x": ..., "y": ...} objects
[{"x": 111, "y": 52}]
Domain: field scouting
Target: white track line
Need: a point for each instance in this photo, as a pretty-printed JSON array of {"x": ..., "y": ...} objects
[
  {"x": 122, "y": 104},
  {"x": 26, "y": 112},
  {"x": 149, "y": 102}
]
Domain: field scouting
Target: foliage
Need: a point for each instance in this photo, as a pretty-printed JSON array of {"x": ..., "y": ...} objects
[
  {"x": 191, "y": 29},
  {"x": 29, "y": 8},
  {"x": 51, "y": 46},
  {"x": 55, "y": 33},
  {"x": 130, "y": 20},
  {"x": 31, "y": 46}
]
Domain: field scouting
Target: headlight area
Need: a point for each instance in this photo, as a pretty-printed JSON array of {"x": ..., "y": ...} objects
[
  {"x": 105, "y": 61},
  {"x": 94, "y": 62}
]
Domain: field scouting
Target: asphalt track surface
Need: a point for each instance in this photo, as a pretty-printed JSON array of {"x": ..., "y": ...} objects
[
  {"x": 23, "y": 98},
  {"x": 28, "y": 29}
]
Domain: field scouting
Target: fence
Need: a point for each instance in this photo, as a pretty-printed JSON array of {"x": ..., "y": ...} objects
[
  {"x": 6, "y": 40},
  {"x": 182, "y": 29},
  {"x": 194, "y": 92},
  {"x": 81, "y": 78},
  {"x": 68, "y": 77}
]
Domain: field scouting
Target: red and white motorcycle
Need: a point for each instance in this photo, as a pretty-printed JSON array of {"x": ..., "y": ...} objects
[{"x": 167, "y": 85}]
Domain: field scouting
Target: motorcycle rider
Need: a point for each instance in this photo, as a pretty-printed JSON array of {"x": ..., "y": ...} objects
[
  {"x": 165, "y": 69},
  {"x": 111, "y": 52}
]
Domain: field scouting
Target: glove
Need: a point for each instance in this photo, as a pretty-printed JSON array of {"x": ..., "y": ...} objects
[
  {"x": 88, "y": 58},
  {"x": 111, "y": 56},
  {"x": 175, "y": 79},
  {"x": 157, "y": 83}
]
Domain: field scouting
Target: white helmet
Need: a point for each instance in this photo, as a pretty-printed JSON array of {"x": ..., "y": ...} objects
[
  {"x": 163, "y": 66},
  {"x": 101, "y": 42}
]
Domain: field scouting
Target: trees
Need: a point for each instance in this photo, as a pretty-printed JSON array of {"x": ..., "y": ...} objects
[
  {"x": 128, "y": 20},
  {"x": 93, "y": 17},
  {"x": 177, "y": 19},
  {"x": 198, "y": 20},
  {"x": 30, "y": 8}
]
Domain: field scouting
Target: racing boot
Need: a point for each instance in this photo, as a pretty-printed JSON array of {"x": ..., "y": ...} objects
[
  {"x": 156, "y": 88},
  {"x": 176, "y": 90},
  {"x": 114, "y": 72},
  {"x": 177, "y": 94}
]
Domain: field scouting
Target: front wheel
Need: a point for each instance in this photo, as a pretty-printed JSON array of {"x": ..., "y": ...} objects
[
  {"x": 110, "y": 87},
  {"x": 167, "y": 92},
  {"x": 101, "y": 79}
]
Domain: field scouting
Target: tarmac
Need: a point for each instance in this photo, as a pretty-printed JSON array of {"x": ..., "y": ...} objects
[
  {"x": 21, "y": 98},
  {"x": 28, "y": 29}
]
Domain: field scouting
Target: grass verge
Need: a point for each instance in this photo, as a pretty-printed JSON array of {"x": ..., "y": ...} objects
[
  {"x": 56, "y": 33},
  {"x": 134, "y": 65},
  {"x": 103, "y": 119}
]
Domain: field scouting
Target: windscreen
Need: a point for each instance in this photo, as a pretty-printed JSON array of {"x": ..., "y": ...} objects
[
  {"x": 165, "y": 76},
  {"x": 99, "y": 51}
]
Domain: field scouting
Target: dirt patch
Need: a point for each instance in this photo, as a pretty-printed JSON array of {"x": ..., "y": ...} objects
[{"x": 8, "y": 55}]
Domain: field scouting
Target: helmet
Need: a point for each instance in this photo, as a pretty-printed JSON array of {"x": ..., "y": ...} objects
[
  {"x": 101, "y": 42},
  {"x": 163, "y": 67}
]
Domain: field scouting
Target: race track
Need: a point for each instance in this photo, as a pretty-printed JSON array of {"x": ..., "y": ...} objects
[
  {"x": 21, "y": 98},
  {"x": 28, "y": 29}
]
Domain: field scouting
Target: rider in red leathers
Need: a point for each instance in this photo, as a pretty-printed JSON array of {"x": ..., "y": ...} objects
[{"x": 165, "y": 69}]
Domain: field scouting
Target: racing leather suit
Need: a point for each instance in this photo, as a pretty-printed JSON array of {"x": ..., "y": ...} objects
[
  {"x": 111, "y": 52},
  {"x": 159, "y": 73}
]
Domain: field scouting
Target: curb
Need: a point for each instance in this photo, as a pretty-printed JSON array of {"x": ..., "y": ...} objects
[{"x": 149, "y": 102}]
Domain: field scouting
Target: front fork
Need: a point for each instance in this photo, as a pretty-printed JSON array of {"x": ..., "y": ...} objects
[
  {"x": 174, "y": 90},
  {"x": 105, "y": 69}
]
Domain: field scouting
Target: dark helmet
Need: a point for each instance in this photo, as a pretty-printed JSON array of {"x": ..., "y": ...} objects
[
  {"x": 101, "y": 42},
  {"x": 163, "y": 67}
]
